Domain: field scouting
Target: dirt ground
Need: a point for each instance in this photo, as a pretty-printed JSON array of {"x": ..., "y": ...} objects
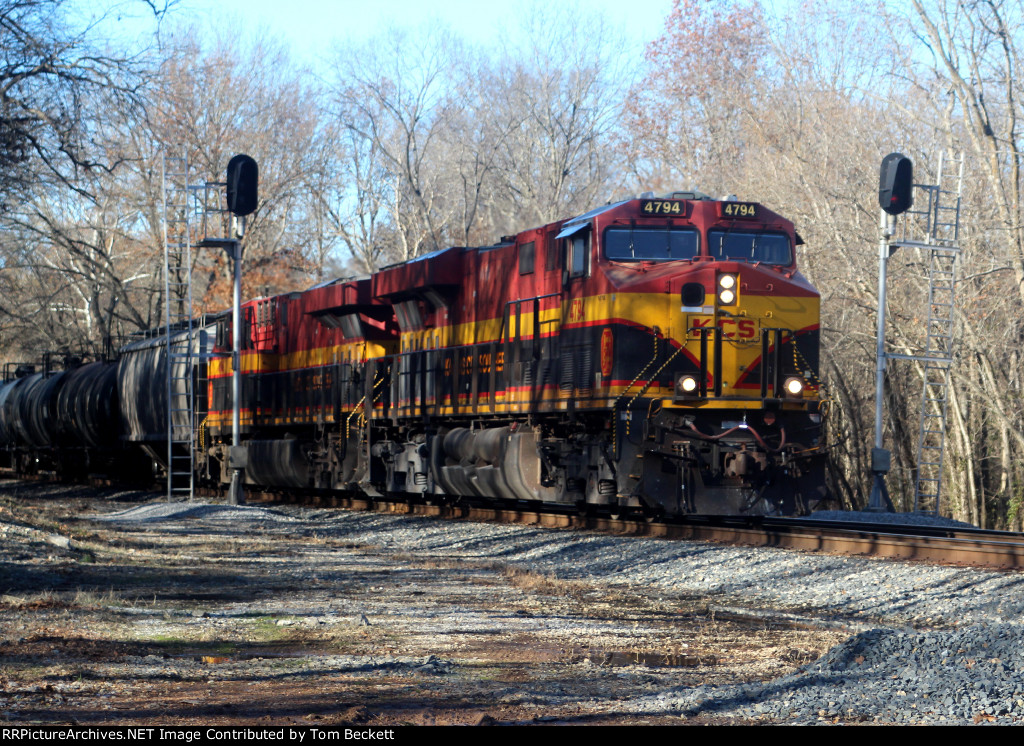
[{"x": 297, "y": 620}]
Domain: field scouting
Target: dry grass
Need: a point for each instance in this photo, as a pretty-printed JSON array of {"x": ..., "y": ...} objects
[
  {"x": 49, "y": 599},
  {"x": 544, "y": 583}
]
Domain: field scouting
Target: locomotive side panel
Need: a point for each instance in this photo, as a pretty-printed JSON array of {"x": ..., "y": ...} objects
[
  {"x": 564, "y": 385},
  {"x": 657, "y": 354},
  {"x": 303, "y": 381}
]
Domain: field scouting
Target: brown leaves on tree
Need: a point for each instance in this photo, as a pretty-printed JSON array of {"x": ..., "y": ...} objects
[{"x": 688, "y": 111}]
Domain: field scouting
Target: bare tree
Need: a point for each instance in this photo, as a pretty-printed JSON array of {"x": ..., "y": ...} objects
[
  {"x": 49, "y": 72},
  {"x": 58, "y": 144},
  {"x": 968, "y": 81},
  {"x": 448, "y": 143},
  {"x": 214, "y": 100},
  {"x": 686, "y": 114},
  {"x": 86, "y": 263},
  {"x": 394, "y": 99},
  {"x": 563, "y": 99}
]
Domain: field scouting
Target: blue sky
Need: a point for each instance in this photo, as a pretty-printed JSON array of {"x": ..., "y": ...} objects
[{"x": 313, "y": 26}]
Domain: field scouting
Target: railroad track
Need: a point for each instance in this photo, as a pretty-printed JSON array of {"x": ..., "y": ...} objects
[
  {"x": 936, "y": 545},
  {"x": 933, "y": 544}
]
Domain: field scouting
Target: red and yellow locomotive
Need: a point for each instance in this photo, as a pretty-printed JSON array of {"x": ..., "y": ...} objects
[{"x": 656, "y": 354}]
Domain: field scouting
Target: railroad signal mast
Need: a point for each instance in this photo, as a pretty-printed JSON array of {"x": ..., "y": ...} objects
[
  {"x": 182, "y": 203},
  {"x": 939, "y": 221},
  {"x": 242, "y": 188}
]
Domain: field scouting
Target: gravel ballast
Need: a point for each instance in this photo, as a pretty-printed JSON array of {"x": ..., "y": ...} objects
[
  {"x": 972, "y": 671},
  {"x": 925, "y": 644},
  {"x": 974, "y": 674}
]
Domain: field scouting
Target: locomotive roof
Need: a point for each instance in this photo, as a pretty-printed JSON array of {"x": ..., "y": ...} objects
[
  {"x": 336, "y": 280},
  {"x": 422, "y": 257},
  {"x": 397, "y": 280},
  {"x": 579, "y": 220}
]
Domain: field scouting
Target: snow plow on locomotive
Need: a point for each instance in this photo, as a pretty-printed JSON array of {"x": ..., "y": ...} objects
[{"x": 655, "y": 354}]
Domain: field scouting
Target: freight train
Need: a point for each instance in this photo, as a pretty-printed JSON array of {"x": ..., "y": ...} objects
[{"x": 656, "y": 355}]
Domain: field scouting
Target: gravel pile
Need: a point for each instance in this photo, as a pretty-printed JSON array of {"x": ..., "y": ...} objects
[{"x": 975, "y": 674}]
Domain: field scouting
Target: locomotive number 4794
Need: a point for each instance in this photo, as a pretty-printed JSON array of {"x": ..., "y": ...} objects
[
  {"x": 747, "y": 210},
  {"x": 661, "y": 207}
]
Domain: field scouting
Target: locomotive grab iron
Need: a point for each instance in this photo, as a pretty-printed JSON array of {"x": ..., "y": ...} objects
[{"x": 655, "y": 354}]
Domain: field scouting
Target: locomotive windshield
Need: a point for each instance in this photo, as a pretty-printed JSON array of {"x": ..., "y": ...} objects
[
  {"x": 750, "y": 246},
  {"x": 624, "y": 244}
]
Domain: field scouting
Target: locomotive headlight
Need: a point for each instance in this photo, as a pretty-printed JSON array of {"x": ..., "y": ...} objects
[
  {"x": 727, "y": 289},
  {"x": 687, "y": 384},
  {"x": 794, "y": 386}
]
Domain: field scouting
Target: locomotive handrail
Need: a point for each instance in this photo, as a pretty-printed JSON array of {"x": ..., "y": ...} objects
[
  {"x": 771, "y": 367},
  {"x": 717, "y": 372},
  {"x": 506, "y": 339},
  {"x": 653, "y": 378},
  {"x": 652, "y": 361}
]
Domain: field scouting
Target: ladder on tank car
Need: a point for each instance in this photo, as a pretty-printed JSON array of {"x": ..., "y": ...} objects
[
  {"x": 937, "y": 218},
  {"x": 181, "y": 353}
]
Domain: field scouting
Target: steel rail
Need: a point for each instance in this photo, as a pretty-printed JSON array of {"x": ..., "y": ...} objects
[
  {"x": 874, "y": 540},
  {"x": 939, "y": 545}
]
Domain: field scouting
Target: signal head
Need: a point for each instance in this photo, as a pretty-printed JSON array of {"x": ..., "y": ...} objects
[
  {"x": 243, "y": 179},
  {"x": 896, "y": 184}
]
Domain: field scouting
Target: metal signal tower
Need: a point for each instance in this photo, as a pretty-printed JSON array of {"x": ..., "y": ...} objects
[
  {"x": 189, "y": 208},
  {"x": 937, "y": 222}
]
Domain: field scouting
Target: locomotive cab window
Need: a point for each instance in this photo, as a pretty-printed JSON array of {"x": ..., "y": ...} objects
[
  {"x": 632, "y": 244},
  {"x": 576, "y": 248},
  {"x": 526, "y": 258},
  {"x": 577, "y": 253},
  {"x": 750, "y": 246}
]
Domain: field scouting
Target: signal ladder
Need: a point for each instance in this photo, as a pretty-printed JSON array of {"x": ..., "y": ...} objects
[
  {"x": 181, "y": 354},
  {"x": 938, "y": 218}
]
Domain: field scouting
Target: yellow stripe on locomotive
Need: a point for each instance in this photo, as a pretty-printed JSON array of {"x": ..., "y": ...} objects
[{"x": 481, "y": 345}]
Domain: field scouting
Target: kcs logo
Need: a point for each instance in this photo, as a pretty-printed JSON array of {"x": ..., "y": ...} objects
[{"x": 731, "y": 328}]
